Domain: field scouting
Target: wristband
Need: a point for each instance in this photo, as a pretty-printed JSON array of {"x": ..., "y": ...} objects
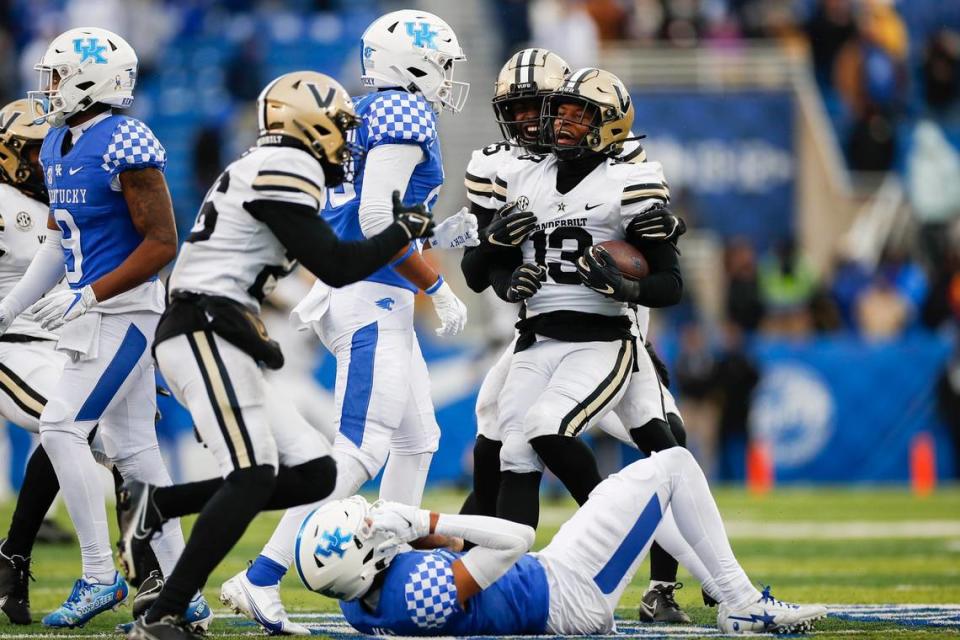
[{"x": 434, "y": 287}]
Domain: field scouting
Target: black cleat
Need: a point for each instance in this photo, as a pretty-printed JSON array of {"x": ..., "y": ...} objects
[
  {"x": 708, "y": 599},
  {"x": 139, "y": 521},
  {"x": 659, "y": 605},
  {"x": 15, "y": 587},
  {"x": 167, "y": 628},
  {"x": 147, "y": 593},
  {"x": 52, "y": 533}
]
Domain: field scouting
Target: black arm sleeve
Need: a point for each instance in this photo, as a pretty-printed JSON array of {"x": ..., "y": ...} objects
[
  {"x": 664, "y": 286},
  {"x": 309, "y": 239},
  {"x": 478, "y": 263}
]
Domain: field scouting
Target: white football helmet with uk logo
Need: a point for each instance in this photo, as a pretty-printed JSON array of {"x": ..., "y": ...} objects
[
  {"x": 83, "y": 67},
  {"x": 414, "y": 51},
  {"x": 336, "y": 554}
]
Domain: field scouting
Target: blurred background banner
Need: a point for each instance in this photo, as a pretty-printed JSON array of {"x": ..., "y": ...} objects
[
  {"x": 728, "y": 157},
  {"x": 839, "y": 409}
]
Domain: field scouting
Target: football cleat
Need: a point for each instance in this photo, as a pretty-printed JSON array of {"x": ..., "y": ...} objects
[
  {"x": 147, "y": 593},
  {"x": 659, "y": 605},
  {"x": 139, "y": 521},
  {"x": 260, "y": 604},
  {"x": 167, "y": 628},
  {"x": 87, "y": 600},
  {"x": 199, "y": 615},
  {"x": 15, "y": 587},
  {"x": 769, "y": 615}
]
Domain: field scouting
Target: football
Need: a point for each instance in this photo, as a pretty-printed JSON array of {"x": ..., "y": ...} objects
[{"x": 627, "y": 257}]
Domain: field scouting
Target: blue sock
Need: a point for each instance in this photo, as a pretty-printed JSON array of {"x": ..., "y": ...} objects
[{"x": 264, "y": 572}]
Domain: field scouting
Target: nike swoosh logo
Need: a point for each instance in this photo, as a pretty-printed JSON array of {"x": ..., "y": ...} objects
[
  {"x": 607, "y": 289},
  {"x": 588, "y": 207},
  {"x": 75, "y": 171},
  {"x": 647, "y": 609}
]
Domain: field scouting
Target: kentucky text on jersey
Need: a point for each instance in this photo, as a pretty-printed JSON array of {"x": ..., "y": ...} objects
[{"x": 68, "y": 196}]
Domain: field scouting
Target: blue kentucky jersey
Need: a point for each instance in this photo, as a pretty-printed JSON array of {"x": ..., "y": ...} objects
[
  {"x": 85, "y": 197},
  {"x": 389, "y": 117},
  {"x": 418, "y": 597}
]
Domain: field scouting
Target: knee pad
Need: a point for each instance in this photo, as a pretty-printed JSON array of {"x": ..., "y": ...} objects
[
  {"x": 518, "y": 456},
  {"x": 679, "y": 431},
  {"x": 656, "y": 435}
]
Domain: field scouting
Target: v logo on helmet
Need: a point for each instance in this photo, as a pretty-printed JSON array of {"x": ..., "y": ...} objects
[
  {"x": 6, "y": 124},
  {"x": 624, "y": 100},
  {"x": 93, "y": 49},
  {"x": 422, "y": 34},
  {"x": 322, "y": 101}
]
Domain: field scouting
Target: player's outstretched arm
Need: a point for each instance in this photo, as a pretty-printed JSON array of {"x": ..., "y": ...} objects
[
  {"x": 309, "y": 239},
  {"x": 148, "y": 199},
  {"x": 44, "y": 272},
  {"x": 499, "y": 543}
]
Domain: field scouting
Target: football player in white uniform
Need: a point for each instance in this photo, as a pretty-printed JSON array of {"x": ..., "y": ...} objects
[
  {"x": 385, "y": 416},
  {"x": 110, "y": 229},
  {"x": 358, "y": 554},
  {"x": 257, "y": 221},
  {"x": 523, "y": 82},
  {"x": 30, "y": 364}
]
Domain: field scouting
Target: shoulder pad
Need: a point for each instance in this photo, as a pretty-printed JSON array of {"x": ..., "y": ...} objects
[
  {"x": 398, "y": 116},
  {"x": 132, "y": 145}
]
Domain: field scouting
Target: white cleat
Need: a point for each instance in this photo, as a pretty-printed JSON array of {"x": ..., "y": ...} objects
[
  {"x": 260, "y": 604},
  {"x": 769, "y": 615}
]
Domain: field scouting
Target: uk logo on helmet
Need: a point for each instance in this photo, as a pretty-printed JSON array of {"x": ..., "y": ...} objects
[
  {"x": 333, "y": 543},
  {"x": 422, "y": 34},
  {"x": 92, "y": 49}
]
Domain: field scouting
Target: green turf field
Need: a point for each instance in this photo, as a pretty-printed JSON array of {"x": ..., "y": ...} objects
[{"x": 844, "y": 547}]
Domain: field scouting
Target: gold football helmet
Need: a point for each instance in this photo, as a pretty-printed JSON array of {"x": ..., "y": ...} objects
[
  {"x": 317, "y": 112},
  {"x": 607, "y": 112},
  {"x": 19, "y": 132},
  {"x": 529, "y": 75}
]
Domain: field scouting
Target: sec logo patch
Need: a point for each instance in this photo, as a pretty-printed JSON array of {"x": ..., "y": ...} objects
[
  {"x": 522, "y": 203},
  {"x": 24, "y": 221}
]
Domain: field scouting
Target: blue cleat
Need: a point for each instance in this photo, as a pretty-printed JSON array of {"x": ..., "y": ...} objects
[
  {"x": 199, "y": 615},
  {"x": 87, "y": 600}
]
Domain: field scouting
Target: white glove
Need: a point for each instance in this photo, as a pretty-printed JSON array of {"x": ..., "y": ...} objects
[
  {"x": 452, "y": 311},
  {"x": 457, "y": 231},
  {"x": 59, "y": 307},
  {"x": 403, "y": 521}
]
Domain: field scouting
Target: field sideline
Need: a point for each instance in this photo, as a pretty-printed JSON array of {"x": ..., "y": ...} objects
[{"x": 847, "y": 547}]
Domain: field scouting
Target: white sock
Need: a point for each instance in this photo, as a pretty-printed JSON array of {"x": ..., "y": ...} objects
[
  {"x": 698, "y": 520},
  {"x": 404, "y": 478},
  {"x": 669, "y": 537},
  {"x": 280, "y": 548},
  {"x": 148, "y": 466},
  {"x": 82, "y": 492}
]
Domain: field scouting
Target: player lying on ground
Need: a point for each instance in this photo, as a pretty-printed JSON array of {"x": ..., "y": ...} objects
[{"x": 350, "y": 551}]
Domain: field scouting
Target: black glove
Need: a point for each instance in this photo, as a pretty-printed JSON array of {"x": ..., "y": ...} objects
[
  {"x": 598, "y": 272},
  {"x": 525, "y": 281},
  {"x": 509, "y": 228},
  {"x": 656, "y": 225},
  {"x": 659, "y": 365},
  {"x": 415, "y": 220}
]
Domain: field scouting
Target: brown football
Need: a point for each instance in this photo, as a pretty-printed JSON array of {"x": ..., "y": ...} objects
[{"x": 628, "y": 258}]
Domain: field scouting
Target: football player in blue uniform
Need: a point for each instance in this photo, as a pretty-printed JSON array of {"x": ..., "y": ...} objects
[
  {"x": 382, "y": 391},
  {"x": 110, "y": 230},
  {"x": 356, "y": 553}
]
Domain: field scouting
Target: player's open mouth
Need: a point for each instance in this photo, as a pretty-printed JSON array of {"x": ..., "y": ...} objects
[{"x": 565, "y": 137}]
